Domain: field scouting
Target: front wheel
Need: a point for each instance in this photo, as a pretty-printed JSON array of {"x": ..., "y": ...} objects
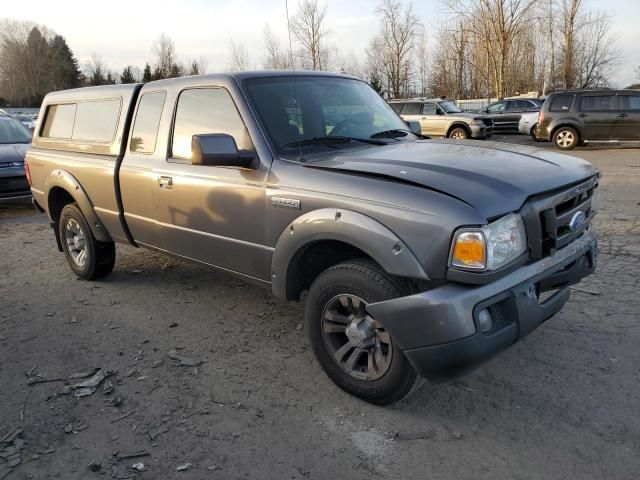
[
  {"x": 459, "y": 133},
  {"x": 88, "y": 258},
  {"x": 355, "y": 350}
]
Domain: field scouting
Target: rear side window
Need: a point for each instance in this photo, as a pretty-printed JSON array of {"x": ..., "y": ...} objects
[
  {"x": 203, "y": 111},
  {"x": 629, "y": 102},
  {"x": 59, "y": 121},
  {"x": 96, "y": 121},
  {"x": 429, "y": 109},
  {"x": 145, "y": 127},
  {"x": 92, "y": 121},
  {"x": 561, "y": 103},
  {"x": 412, "y": 109},
  {"x": 597, "y": 103}
]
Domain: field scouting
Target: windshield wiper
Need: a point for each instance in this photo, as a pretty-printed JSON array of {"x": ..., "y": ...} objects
[
  {"x": 396, "y": 132},
  {"x": 329, "y": 140}
]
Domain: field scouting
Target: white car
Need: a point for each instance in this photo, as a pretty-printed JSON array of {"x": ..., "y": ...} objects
[{"x": 528, "y": 122}]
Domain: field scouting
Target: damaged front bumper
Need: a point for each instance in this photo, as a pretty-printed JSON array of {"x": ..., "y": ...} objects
[{"x": 439, "y": 330}]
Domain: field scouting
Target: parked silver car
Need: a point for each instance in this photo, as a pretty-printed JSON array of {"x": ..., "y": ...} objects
[{"x": 441, "y": 118}]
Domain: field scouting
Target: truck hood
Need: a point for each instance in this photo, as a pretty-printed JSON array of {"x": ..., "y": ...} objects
[
  {"x": 494, "y": 178},
  {"x": 12, "y": 152}
]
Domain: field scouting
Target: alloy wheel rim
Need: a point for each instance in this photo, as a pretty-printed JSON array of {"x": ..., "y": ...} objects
[
  {"x": 75, "y": 240},
  {"x": 458, "y": 136},
  {"x": 565, "y": 139},
  {"x": 357, "y": 342}
]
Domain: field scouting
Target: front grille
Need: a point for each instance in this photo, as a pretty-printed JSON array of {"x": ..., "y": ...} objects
[
  {"x": 13, "y": 184},
  {"x": 547, "y": 219}
]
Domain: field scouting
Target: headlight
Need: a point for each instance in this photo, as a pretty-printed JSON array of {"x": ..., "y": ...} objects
[{"x": 490, "y": 247}]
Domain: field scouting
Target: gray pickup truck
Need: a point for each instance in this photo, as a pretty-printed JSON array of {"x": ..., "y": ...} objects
[{"x": 416, "y": 258}]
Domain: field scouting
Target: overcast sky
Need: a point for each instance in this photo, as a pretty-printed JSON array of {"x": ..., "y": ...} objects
[{"x": 122, "y": 32}]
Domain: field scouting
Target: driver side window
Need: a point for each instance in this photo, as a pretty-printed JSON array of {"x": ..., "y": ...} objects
[
  {"x": 203, "y": 111},
  {"x": 496, "y": 108}
]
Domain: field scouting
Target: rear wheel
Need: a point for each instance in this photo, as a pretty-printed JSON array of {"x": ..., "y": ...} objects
[
  {"x": 566, "y": 138},
  {"x": 88, "y": 258},
  {"x": 459, "y": 133},
  {"x": 533, "y": 134},
  {"x": 355, "y": 350}
]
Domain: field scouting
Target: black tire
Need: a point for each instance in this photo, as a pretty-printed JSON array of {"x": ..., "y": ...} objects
[
  {"x": 99, "y": 257},
  {"x": 566, "y": 138},
  {"x": 533, "y": 134},
  {"x": 459, "y": 133},
  {"x": 366, "y": 280}
]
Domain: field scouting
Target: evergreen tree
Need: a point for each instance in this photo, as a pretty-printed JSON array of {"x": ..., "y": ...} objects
[
  {"x": 376, "y": 84},
  {"x": 175, "y": 71},
  {"x": 110, "y": 80},
  {"x": 127, "y": 75},
  {"x": 63, "y": 65},
  {"x": 146, "y": 76}
]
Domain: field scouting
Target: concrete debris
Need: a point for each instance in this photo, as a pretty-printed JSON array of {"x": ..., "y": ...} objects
[
  {"x": 89, "y": 386},
  {"x": 131, "y": 454},
  {"x": 156, "y": 432},
  {"x": 10, "y": 451},
  {"x": 138, "y": 466},
  {"x": 183, "y": 467},
  {"x": 184, "y": 361}
]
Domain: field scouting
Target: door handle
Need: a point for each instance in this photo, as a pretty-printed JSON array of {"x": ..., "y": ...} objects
[
  {"x": 165, "y": 182},
  {"x": 622, "y": 115}
]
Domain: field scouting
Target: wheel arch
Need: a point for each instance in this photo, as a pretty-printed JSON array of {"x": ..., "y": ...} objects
[
  {"x": 573, "y": 125},
  {"x": 62, "y": 188},
  {"x": 325, "y": 237},
  {"x": 459, "y": 125}
]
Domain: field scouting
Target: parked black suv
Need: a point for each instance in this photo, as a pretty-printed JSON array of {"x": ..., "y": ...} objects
[
  {"x": 573, "y": 117},
  {"x": 506, "y": 113}
]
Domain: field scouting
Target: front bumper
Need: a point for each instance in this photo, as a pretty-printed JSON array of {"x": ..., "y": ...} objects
[
  {"x": 481, "y": 131},
  {"x": 437, "y": 329}
]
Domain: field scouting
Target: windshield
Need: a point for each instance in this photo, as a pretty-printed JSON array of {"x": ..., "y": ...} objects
[
  {"x": 316, "y": 109},
  {"x": 449, "y": 107},
  {"x": 12, "y": 131}
]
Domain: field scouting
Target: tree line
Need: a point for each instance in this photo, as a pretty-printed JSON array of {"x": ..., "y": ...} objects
[
  {"x": 34, "y": 61},
  {"x": 484, "y": 49}
]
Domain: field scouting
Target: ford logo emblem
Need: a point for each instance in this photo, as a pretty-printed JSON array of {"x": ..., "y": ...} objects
[{"x": 577, "y": 221}]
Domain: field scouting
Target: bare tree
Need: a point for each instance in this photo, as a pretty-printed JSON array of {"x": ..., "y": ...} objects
[
  {"x": 96, "y": 71},
  {"x": 276, "y": 57},
  {"x": 239, "y": 57},
  {"x": 165, "y": 52},
  {"x": 399, "y": 26},
  {"x": 570, "y": 10},
  {"x": 308, "y": 27},
  {"x": 596, "y": 51}
]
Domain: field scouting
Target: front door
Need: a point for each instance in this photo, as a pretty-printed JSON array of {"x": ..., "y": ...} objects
[
  {"x": 434, "y": 124},
  {"x": 212, "y": 214}
]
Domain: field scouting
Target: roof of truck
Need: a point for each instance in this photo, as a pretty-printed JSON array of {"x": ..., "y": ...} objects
[{"x": 240, "y": 76}]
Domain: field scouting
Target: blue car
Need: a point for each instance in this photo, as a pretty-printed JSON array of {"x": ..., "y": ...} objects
[{"x": 14, "y": 141}]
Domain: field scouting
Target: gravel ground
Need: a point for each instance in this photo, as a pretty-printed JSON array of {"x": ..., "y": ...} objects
[{"x": 561, "y": 404}]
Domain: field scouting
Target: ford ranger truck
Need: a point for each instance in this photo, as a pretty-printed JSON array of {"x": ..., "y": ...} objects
[{"x": 415, "y": 258}]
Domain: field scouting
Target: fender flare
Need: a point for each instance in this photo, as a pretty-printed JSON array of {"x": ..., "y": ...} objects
[
  {"x": 346, "y": 226},
  {"x": 63, "y": 179}
]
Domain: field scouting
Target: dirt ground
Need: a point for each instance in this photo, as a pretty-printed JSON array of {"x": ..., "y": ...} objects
[{"x": 562, "y": 404}]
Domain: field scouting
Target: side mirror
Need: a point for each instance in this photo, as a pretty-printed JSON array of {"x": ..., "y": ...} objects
[
  {"x": 439, "y": 112},
  {"x": 415, "y": 127},
  {"x": 218, "y": 149}
]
